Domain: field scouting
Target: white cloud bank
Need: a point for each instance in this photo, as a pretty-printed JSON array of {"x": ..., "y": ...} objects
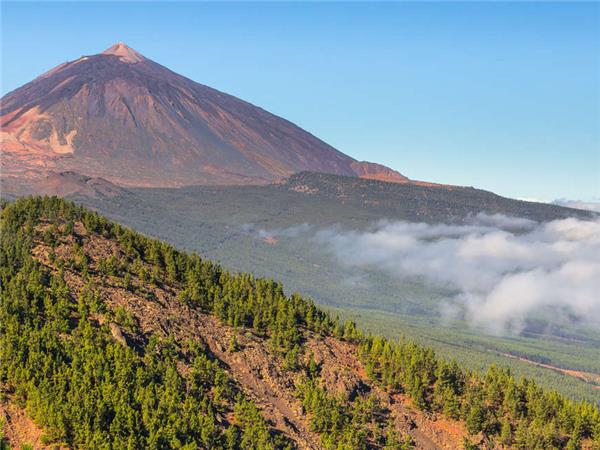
[{"x": 505, "y": 270}]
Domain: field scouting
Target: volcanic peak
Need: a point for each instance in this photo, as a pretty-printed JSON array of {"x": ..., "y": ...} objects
[{"x": 126, "y": 53}]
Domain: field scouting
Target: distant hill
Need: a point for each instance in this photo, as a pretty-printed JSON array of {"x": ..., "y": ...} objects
[
  {"x": 412, "y": 201},
  {"x": 120, "y": 116},
  {"x": 110, "y": 338},
  {"x": 65, "y": 184},
  {"x": 421, "y": 201}
]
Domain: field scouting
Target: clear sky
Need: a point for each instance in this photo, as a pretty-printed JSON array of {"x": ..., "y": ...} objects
[{"x": 502, "y": 96}]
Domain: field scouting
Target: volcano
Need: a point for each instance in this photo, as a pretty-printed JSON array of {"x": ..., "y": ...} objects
[{"x": 123, "y": 117}]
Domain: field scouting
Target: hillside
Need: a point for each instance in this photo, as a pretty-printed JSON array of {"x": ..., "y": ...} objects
[
  {"x": 269, "y": 231},
  {"x": 111, "y": 337},
  {"x": 119, "y": 115}
]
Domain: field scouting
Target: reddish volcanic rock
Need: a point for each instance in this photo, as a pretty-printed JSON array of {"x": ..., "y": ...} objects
[
  {"x": 123, "y": 117},
  {"x": 126, "y": 54},
  {"x": 374, "y": 171}
]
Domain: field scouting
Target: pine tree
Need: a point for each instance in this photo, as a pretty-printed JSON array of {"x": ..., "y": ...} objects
[{"x": 506, "y": 434}]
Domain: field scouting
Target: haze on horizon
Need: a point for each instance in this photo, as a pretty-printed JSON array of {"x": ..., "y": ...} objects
[{"x": 504, "y": 97}]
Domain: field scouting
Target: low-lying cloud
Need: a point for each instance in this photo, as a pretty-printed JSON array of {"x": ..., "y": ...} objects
[{"x": 504, "y": 270}]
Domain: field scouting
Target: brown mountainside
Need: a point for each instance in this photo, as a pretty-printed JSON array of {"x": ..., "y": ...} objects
[{"x": 123, "y": 117}]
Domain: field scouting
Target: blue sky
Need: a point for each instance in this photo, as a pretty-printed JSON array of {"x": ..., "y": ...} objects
[{"x": 502, "y": 96}]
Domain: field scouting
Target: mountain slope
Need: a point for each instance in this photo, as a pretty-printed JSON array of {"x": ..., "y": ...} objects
[
  {"x": 269, "y": 231},
  {"x": 108, "y": 337},
  {"x": 123, "y": 117}
]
